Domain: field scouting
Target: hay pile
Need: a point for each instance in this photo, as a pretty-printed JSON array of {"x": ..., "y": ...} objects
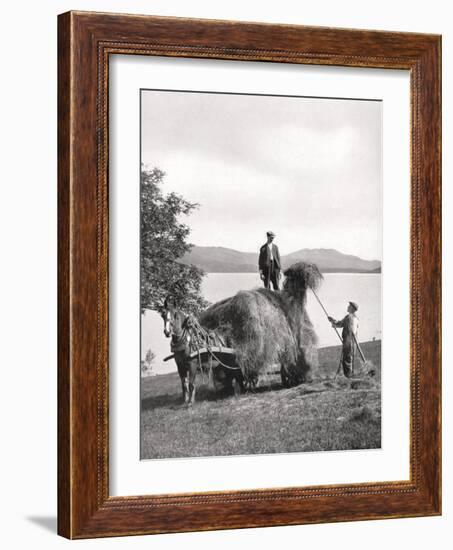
[{"x": 268, "y": 328}]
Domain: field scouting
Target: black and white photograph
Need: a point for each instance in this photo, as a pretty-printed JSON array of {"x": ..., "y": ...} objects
[
  {"x": 226, "y": 299},
  {"x": 261, "y": 249}
]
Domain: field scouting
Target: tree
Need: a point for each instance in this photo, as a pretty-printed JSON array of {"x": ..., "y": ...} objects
[
  {"x": 147, "y": 363},
  {"x": 163, "y": 243}
]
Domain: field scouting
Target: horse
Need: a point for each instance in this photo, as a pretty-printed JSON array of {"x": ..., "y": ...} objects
[{"x": 178, "y": 326}]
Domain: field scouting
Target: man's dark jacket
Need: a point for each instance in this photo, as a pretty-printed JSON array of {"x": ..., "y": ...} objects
[{"x": 264, "y": 261}]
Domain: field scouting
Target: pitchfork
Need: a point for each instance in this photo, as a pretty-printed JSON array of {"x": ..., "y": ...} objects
[{"x": 362, "y": 356}]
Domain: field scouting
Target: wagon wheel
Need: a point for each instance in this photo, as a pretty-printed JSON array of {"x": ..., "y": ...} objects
[{"x": 237, "y": 391}]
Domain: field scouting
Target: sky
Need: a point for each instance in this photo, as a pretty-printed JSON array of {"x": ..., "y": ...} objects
[{"x": 309, "y": 169}]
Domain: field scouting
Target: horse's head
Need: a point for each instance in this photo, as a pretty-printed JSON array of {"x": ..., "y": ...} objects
[{"x": 168, "y": 315}]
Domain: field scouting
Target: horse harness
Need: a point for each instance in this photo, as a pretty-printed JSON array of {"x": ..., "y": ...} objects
[{"x": 188, "y": 335}]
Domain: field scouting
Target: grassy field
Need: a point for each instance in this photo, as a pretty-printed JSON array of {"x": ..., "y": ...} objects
[{"x": 324, "y": 415}]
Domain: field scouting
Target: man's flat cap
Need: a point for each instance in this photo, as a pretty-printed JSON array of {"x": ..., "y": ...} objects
[
  {"x": 354, "y": 305},
  {"x": 270, "y": 233}
]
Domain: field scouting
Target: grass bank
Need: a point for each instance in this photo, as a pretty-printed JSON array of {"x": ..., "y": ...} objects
[{"x": 325, "y": 415}]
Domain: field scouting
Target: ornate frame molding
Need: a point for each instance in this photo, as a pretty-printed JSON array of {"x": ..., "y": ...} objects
[{"x": 86, "y": 40}]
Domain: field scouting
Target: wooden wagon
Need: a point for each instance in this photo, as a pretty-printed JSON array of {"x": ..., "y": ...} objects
[{"x": 221, "y": 355}]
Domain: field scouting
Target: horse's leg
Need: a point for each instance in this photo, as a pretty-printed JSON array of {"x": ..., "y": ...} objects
[
  {"x": 182, "y": 371},
  {"x": 192, "y": 370}
]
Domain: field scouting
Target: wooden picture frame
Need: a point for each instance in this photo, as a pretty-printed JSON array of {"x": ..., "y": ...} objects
[{"x": 85, "y": 42}]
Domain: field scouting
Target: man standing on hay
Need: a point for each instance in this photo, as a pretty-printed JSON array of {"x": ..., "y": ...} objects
[
  {"x": 269, "y": 263},
  {"x": 350, "y": 325}
]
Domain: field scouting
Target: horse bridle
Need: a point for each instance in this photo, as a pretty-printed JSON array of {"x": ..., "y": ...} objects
[{"x": 168, "y": 322}]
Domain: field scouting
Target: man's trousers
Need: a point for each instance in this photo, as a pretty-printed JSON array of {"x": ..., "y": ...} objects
[
  {"x": 271, "y": 275},
  {"x": 347, "y": 358}
]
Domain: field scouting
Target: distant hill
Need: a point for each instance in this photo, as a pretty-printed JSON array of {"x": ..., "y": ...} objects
[
  {"x": 217, "y": 259},
  {"x": 329, "y": 259}
]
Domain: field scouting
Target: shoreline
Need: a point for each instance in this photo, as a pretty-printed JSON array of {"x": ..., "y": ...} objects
[{"x": 328, "y": 353}]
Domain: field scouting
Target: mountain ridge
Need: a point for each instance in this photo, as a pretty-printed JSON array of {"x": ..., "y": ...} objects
[{"x": 219, "y": 259}]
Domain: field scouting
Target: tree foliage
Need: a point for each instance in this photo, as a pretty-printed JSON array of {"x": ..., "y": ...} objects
[
  {"x": 147, "y": 363},
  {"x": 163, "y": 243},
  {"x": 149, "y": 357}
]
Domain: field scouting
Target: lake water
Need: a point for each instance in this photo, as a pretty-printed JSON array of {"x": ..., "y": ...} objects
[{"x": 335, "y": 292}]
